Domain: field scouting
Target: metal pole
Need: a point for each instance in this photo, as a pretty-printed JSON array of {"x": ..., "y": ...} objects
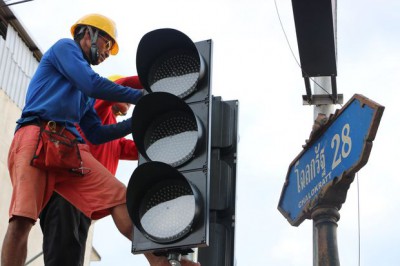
[
  {"x": 323, "y": 85},
  {"x": 325, "y": 225},
  {"x": 326, "y": 109},
  {"x": 320, "y": 228},
  {"x": 34, "y": 258}
]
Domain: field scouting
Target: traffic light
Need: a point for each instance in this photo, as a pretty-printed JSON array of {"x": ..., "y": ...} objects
[
  {"x": 224, "y": 140},
  {"x": 168, "y": 193}
]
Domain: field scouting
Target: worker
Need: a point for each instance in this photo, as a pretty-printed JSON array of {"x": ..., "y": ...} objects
[
  {"x": 48, "y": 154},
  {"x": 65, "y": 228}
]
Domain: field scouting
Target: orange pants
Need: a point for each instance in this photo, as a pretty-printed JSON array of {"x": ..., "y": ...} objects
[{"x": 94, "y": 194}]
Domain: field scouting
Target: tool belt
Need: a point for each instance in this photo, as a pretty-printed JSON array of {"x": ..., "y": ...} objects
[{"x": 57, "y": 149}]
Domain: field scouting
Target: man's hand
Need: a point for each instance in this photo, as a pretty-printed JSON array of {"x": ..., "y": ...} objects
[
  {"x": 185, "y": 262},
  {"x": 163, "y": 261}
]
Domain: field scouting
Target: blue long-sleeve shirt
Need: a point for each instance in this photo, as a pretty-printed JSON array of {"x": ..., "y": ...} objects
[{"x": 64, "y": 88}]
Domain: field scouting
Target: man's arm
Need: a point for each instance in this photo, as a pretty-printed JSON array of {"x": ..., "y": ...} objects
[
  {"x": 128, "y": 149},
  {"x": 131, "y": 81}
]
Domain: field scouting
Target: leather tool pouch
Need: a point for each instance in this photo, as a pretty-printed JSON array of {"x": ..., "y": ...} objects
[{"x": 56, "y": 151}]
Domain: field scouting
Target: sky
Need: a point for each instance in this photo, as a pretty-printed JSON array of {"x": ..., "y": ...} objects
[{"x": 253, "y": 63}]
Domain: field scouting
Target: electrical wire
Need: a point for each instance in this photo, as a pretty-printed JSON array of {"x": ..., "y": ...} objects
[{"x": 15, "y": 3}]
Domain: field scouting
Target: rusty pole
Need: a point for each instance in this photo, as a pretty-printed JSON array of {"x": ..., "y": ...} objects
[{"x": 325, "y": 224}]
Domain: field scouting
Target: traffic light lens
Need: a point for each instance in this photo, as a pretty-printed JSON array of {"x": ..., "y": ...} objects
[
  {"x": 172, "y": 138},
  {"x": 168, "y": 211},
  {"x": 177, "y": 73}
]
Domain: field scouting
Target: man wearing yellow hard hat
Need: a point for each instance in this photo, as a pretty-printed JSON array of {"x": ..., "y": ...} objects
[
  {"x": 97, "y": 27},
  {"x": 60, "y": 96}
]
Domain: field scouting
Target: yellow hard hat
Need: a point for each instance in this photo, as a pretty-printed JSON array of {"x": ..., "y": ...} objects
[
  {"x": 115, "y": 77},
  {"x": 102, "y": 23}
]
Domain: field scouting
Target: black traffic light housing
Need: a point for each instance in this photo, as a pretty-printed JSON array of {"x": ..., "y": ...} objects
[
  {"x": 171, "y": 126},
  {"x": 161, "y": 114},
  {"x": 155, "y": 203},
  {"x": 224, "y": 140},
  {"x": 167, "y": 53},
  {"x": 182, "y": 194}
]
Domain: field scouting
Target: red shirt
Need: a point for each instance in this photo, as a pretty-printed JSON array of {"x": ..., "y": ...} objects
[{"x": 111, "y": 152}]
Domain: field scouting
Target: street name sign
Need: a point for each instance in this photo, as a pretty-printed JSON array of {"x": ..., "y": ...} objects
[{"x": 341, "y": 148}]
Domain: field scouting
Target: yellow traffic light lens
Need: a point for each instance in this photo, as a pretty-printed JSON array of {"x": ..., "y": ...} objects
[
  {"x": 172, "y": 138},
  {"x": 177, "y": 73}
]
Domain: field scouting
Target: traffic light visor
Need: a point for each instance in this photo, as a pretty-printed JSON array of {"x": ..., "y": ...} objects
[
  {"x": 165, "y": 129},
  {"x": 162, "y": 203},
  {"x": 168, "y": 61}
]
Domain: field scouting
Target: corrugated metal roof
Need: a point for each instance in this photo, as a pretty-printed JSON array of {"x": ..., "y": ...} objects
[{"x": 7, "y": 16}]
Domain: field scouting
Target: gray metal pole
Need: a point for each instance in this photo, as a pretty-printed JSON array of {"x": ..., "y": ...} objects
[
  {"x": 34, "y": 258},
  {"x": 327, "y": 109},
  {"x": 325, "y": 83}
]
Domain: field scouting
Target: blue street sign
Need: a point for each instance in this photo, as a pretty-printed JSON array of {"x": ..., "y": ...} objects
[{"x": 341, "y": 148}]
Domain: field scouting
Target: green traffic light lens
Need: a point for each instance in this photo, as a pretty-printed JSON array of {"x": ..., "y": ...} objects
[
  {"x": 172, "y": 138},
  {"x": 177, "y": 72},
  {"x": 168, "y": 211}
]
